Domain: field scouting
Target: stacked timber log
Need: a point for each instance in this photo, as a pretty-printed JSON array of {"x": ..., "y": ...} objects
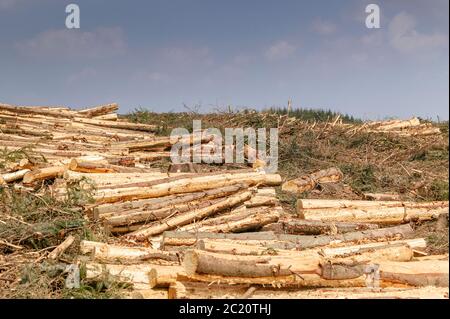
[
  {"x": 378, "y": 212},
  {"x": 219, "y": 234},
  {"x": 309, "y": 182},
  {"x": 411, "y": 127}
]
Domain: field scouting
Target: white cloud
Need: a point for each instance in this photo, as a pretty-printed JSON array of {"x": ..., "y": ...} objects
[
  {"x": 323, "y": 27},
  {"x": 280, "y": 50},
  {"x": 405, "y": 38},
  {"x": 101, "y": 42}
]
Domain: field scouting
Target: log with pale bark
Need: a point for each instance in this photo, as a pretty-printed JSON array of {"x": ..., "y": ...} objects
[
  {"x": 317, "y": 227},
  {"x": 240, "y": 219},
  {"x": 382, "y": 197},
  {"x": 186, "y": 185},
  {"x": 117, "y": 124},
  {"x": 383, "y": 212},
  {"x": 43, "y": 174},
  {"x": 309, "y": 182},
  {"x": 147, "y": 216},
  {"x": 161, "y": 202},
  {"x": 99, "y": 110},
  {"x": 215, "y": 290},
  {"x": 106, "y": 253},
  {"x": 14, "y": 176},
  {"x": 137, "y": 275},
  {"x": 286, "y": 241},
  {"x": 197, "y": 261},
  {"x": 53, "y": 112},
  {"x": 183, "y": 219},
  {"x": 61, "y": 248}
]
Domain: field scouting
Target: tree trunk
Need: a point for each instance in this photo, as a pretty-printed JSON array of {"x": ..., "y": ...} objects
[
  {"x": 104, "y": 253},
  {"x": 187, "y": 185},
  {"x": 299, "y": 242},
  {"x": 99, "y": 110},
  {"x": 186, "y": 218},
  {"x": 14, "y": 176},
  {"x": 117, "y": 124},
  {"x": 43, "y": 174},
  {"x": 381, "y": 215},
  {"x": 317, "y": 227},
  {"x": 196, "y": 261},
  {"x": 309, "y": 182},
  {"x": 161, "y": 202}
]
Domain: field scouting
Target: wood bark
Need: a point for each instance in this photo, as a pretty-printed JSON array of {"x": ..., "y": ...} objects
[
  {"x": 282, "y": 241},
  {"x": 381, "y": 215},
  {"x": 161, "y": 202},
  {"x": 309, "y": 182},
  {"x": 14, "y": 176},
  {"x": 99, "y": 110},
  {"x": 186, "y": 218},
  {"x": 58, "y": 251},
  {"x": 317, "y": 227},
  {"x": 43, "y": 174},
  {"x": 196, "y": 261},
  {"x": 105, "y": 253},
  {"x": 190, "y": 185}
]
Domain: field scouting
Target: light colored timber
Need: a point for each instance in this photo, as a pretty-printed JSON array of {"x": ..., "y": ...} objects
[
  {"x": 61, "y": 248},
  {"x": 382, "y": 215},
  {"x": 137, "y": 275},
  {"x": 203, "y": 290},
  {"x": 282, "y": 241},
  {"x": 128, "y": 218},
  {"x": 235, "y": 215},
  {"x": 190, "y": 185},
  {"x": 43, "y": 174},
  {"x": 14, "y": 176},
  {"x": 317, "y": 227},
  {"x": 117, "y": 124},
  {"x": 416, "y": 273},
  {"x": 99, "y": 110},
  {"x": 250, "y": 222},
  {"x": 107, "y": 117},
  {"x": 382, "y": 197},
  {"x": 309, "y": 204},
  {"x": 162, "y": 202},
  {"x": 418, "y": 243},
  {"x": 58, "y": 112},
  {"x": 105, "y": 253},
  {"x": 304, "y": 262}
]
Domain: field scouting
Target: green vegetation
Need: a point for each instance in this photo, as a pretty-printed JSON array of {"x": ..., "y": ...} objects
[{"x": 319, "y": 115}]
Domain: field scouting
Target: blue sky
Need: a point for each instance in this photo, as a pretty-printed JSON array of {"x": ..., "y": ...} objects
[{"x": 248, "y": 53}]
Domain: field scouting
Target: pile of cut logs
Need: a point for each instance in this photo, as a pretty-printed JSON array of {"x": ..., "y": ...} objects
[{"x": 222, "y": 234}]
